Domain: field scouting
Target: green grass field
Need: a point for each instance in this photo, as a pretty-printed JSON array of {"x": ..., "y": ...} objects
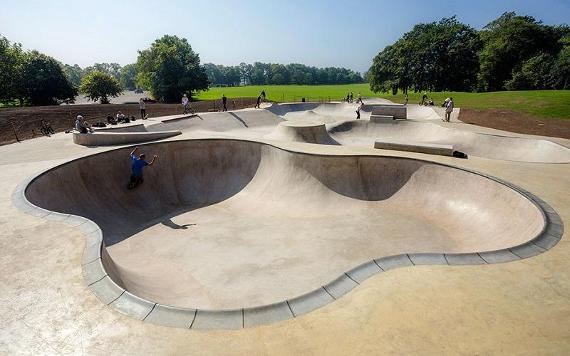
[{"x": 553, "y": 104}]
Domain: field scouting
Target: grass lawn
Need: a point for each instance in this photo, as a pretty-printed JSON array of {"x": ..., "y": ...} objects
[{"x": 538, "y": 103}]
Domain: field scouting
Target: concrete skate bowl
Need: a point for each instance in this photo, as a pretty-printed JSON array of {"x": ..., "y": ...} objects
[
  {"x": 232, "y": 233},
  {"x": 365, "y": 133}
]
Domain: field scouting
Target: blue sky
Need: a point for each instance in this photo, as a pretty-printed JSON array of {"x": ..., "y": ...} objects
[{"x": 320, "y": 33}]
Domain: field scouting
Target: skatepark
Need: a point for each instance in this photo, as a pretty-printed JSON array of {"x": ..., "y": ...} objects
[{"x": 284, "y": 219}]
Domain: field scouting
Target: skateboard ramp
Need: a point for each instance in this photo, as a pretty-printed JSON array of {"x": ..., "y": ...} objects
[{"x": 365, "y": 133}]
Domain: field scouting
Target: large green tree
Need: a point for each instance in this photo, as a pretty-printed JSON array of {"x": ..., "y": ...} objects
[
  {"x": 98, "y": 85},
  {"x": 128, "y": 77},
  {"x": 74, "y": 73},
  {"x": 435, "y": 56},
  {"x": 43, "y": 82},
  {"x": 11, "y": 60},
  {"x": 170, "y": 68},
  {"x": 509, "y": 43}
]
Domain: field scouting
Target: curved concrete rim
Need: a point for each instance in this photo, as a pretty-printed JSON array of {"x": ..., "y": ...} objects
[{"x": 101, "y": 284}]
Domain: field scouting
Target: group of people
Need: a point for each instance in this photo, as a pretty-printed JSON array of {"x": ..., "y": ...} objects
[
  {"x": 46, "y": 129},
  {"x": 119, "y": 118},
  {"x": 350, "y": 98}
]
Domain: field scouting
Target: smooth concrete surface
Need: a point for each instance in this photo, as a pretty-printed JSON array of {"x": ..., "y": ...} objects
[
  {"x": 516, "y": 307},
  {"x": 410, "y": 146},
  {"x": 305, "y": 131}
]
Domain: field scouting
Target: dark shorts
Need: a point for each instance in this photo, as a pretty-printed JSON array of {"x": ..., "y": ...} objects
[{"x": 135, "y": 181}]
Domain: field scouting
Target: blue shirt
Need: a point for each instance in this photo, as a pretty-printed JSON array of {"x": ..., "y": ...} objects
[{"x": 137, "y": 165}]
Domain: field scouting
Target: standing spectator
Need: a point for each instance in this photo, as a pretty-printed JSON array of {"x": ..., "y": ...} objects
[
  {"x": 351, "y": 97},
  {"x": 424, "y": 98},
  {"x": 406, "y": 99},
  {"x": 185, "y": 102},
  {"x": 449, "y": 109},
  {"x": 142, "y": 107},
  {"x": 358, "y": 110},
  {"x": 257, "y": 104},
  {"x": 263, "y": 95},
  {"x": 224, "y": 102},
  {"x": 348, "y": 97}
]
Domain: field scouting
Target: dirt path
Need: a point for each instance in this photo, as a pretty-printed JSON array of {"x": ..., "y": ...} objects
[
  {"x": 516, "y": 122},
  {"x": 25, "y": 121}
]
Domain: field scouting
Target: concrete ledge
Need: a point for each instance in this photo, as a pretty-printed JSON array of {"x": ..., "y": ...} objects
[
  {"x": 310, "y": 301},
  {"x": 464, "y": 259},
  {"x": 501, "y": 256},
  {"x": 266, "y": 314},
  {"x": 132, "y": 305},
  {"x": 420, "y": 147},
  {"x": 93, "y": 272},
  {"x": 391, "y": 262},
  {"x": 122, "y": 128},
  {"x": 395, "y": 110},
  {"x": 364, "y": 271},
  {"x": 427, "y": 259},
  {"x": 106, "y": 290},
  {"x": 340, "y": 286},
  {"x": 218, "y": 319},
  {"x": 120, "y": 138},
  {"x": 526, "y": 250},
  {"x": 171, "y": 316}
]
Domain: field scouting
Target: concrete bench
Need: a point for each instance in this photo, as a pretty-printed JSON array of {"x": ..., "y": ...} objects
[
  {"x": 420, "y": 147},
  {"x": 119, "y": 138},
  {"x": 397, "y": 111}
]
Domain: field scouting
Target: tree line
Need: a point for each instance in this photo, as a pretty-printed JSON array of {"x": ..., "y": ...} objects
[
  {"x": 510, "y": 53},
  {"x": 278, "y": 74}
]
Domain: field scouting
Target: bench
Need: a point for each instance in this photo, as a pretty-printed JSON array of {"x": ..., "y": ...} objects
[
  {"x": 419, "y": 147},
  {"x": 397, "y": 111}
]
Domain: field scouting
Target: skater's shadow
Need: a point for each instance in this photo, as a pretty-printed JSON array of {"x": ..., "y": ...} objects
[
  {"x": 238, "y": 119},
  {"x": 171, "y": 224}
]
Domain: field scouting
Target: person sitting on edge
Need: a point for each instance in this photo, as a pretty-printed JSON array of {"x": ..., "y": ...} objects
[
  {"x": 46, "y": 128},
  {"x": 449, "y": 109},
  {"x": 120, "y": 117},
  {"x": 81, "y": 126},
  {"x": 137, "y": 165},
  {"x": 111, "y": 120}
]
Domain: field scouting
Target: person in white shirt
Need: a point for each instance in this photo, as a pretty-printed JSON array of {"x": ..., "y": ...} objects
[
  {"x": 449, "y": 109},
  {"x": 185, "y": 102},
  {"x": 142, "y": 107},
  {"x": 81, "y": 126}
]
